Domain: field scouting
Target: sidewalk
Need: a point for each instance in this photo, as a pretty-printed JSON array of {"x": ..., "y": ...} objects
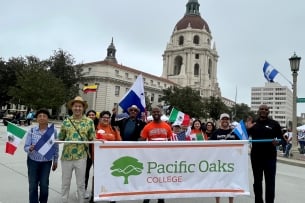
[{"x": 295, "y": 159}]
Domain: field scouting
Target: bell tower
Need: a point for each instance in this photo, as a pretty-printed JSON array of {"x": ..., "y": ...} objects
[
  {"x": 190, "y": 58},
  {"x": 111, "y": 53}
]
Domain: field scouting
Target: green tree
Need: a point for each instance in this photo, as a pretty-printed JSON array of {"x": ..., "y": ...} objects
[
  {"x": 126, "y": 166},
  {"x": 8, "y": 78},
  {"x": 184, "y": 99},
  {"x": 63, "y": 66},
  {"x": 36, "y": 87},
  {"x": 241, "y": 112},
  {"x": 214, "y": 107}
]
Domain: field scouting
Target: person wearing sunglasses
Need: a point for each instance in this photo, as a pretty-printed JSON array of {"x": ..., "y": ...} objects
[{"x": 131, "y": 127}]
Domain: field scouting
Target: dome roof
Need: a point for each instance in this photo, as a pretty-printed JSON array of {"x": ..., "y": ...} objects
[{"x": 195, "y": 22}]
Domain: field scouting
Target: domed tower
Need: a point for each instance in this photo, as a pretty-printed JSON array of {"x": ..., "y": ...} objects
[
  {"x": 111, "y": 53},
  {"x": 190, "y": 59}
]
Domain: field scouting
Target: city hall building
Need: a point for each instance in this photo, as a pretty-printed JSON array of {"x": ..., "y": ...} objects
[{"x": 190, "y": 59}]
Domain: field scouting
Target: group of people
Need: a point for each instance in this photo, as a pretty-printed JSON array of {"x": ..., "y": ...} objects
[{"x": 78, "y": 156}]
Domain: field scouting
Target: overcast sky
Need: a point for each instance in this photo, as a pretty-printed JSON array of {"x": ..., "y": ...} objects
[{"x": 246, "y": 34}]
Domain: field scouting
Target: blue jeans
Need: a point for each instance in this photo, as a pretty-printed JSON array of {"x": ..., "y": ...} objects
[
  {"x": 38, "y": 174},
  {"x": 287, "y": 150},
  {"x": 267, "y": 168}
]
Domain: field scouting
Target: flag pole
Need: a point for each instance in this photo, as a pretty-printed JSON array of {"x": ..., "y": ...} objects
[{"x": 286, "y": 79}]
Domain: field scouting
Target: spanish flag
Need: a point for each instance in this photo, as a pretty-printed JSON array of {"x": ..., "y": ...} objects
[{"x": 89, "y": 88}]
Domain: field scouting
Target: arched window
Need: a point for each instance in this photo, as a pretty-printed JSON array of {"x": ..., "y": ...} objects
[
  {"x": 181, "y": 40},
  {"x": 178, "y": 64},
  {"x": 196, "y": 69},
  {"x": 210, "y": 69},
  {"x": 209, "y": 41},
  {"x": 196, "y": 39}
]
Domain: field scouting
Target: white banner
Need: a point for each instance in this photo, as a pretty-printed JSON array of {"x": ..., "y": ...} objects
[{"x": 181, "y": 169}]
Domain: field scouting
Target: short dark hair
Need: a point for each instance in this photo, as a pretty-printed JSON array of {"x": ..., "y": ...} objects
[
  {"x": 105, "y": 112},
  {"x": 44, "y": 111},
  {"x": 90, "y": 111}
]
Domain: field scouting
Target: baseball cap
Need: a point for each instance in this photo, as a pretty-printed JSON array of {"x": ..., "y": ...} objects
[{"x": 224, "y": 115}]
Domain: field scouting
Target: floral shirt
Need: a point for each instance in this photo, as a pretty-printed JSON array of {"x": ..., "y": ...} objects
[{"x": 75, "y": 151}]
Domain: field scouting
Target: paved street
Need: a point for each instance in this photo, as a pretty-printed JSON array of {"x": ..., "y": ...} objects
[{"x": 290, "y": 182}]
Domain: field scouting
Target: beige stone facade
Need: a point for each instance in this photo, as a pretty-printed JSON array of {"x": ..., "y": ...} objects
[{"x": 114, "y": 80}]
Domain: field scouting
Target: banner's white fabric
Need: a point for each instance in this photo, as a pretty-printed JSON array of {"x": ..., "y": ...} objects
[{"x": 178, "y": 169}]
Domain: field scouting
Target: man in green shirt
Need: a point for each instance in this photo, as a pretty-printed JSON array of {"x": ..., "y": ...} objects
[{"x": 76, "y": 128}]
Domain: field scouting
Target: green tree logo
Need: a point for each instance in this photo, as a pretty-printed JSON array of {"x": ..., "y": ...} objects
[{"x": 126, "y": 166}]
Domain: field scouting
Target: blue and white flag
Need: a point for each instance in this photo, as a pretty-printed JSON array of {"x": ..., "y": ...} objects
[
  {"x": 134, "y": 96},
  {"x": 241, "y": 131},
  {"x": 269, "y": 72},
  {"x": 45, "y": 145}
]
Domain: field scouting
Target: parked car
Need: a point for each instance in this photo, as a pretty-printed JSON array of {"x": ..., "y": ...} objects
[{"x": 13, "y": 116}]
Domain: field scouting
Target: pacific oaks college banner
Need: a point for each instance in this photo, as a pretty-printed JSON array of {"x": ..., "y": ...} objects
[{"x": 177, "y": 169}]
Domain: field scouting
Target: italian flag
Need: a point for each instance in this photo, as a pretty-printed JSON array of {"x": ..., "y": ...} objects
[
  {"x": 179, "y": 118},
  {"x": 14, "y": 136}
]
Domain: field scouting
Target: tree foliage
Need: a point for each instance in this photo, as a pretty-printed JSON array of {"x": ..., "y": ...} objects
[
  {"x": 241, "y": 112},
  {"x": 62, "y": 65},
  {"x": 35, "y": 83},
  {"x": 184, "y": 99},
  {"x": 36, "y": 87},
  {"x": 8, "y": 71},
  {"x": 214, "y": 107}
]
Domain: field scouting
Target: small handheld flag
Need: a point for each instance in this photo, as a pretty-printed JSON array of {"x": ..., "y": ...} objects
[
  {"x": 241, "y": 131},
  {"x": 14, "y": 136},
  {"x": 179, "y": 118}
]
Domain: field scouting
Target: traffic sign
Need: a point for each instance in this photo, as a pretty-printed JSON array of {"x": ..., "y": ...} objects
[{"x": 301, "y": 100}]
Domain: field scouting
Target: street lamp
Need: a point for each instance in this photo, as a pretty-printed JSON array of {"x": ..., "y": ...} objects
[{"x": 294, "y": 65}]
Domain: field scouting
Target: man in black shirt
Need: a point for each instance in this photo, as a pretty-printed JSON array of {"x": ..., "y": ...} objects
[
  {"x": 131, "y": 127},
  {"x": 263, "y": 153}
]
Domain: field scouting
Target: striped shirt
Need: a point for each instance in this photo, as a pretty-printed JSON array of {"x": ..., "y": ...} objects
[{"x": 32, "y": 137}]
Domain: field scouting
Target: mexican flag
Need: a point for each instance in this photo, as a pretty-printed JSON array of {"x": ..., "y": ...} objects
[
  {"x": 179, "y": 118},
  {"x": 14, "y": 136},
  {"x": 193, "y": 137}
]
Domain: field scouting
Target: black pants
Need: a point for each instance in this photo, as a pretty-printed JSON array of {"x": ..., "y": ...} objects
[
  {"x": 159, "y": 201},
  {"x": 267, "y": 168}
]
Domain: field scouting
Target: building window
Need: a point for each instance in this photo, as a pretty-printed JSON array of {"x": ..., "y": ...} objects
[
  {"x": 210, "y": 69},
  {"x": 117, "y": 91},
  {"x": 126, "y": 90},
  {"x": 159, "y": 83},
  {"x": 181, "y": 40},
  {"x": 196, "y": 70},
  {"x": 177, "y": 65},
  {"x": 159, "y": 98},
  {"x": 196, "y": 39},
  {"x": 152, "y": 98},
  {"x": 196, "y": 56},
  {"x": 151, "y": 82},
  {"x": 126, "y": 75},
  {"x": 116, "y": 72}
]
